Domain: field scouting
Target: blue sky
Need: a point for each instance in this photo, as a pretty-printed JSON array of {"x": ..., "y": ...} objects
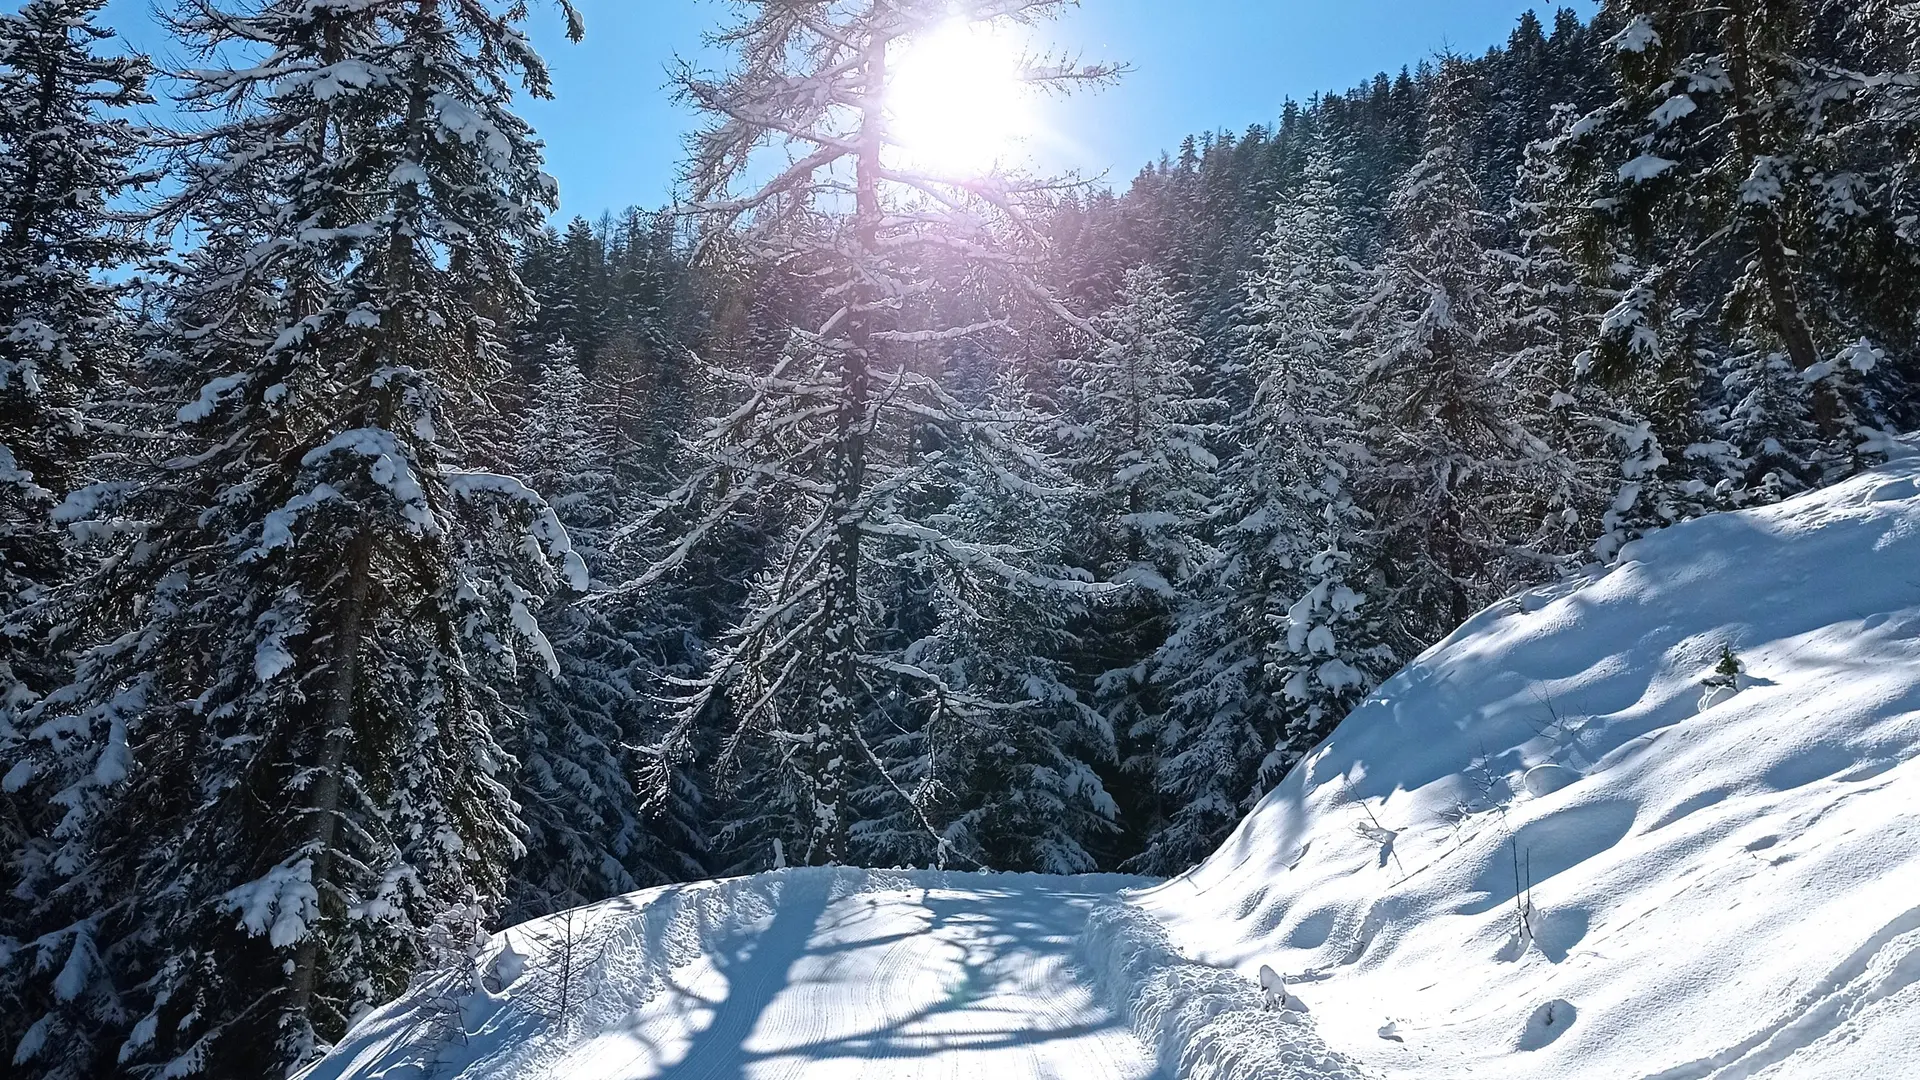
[{"x": 613, "y": 135}]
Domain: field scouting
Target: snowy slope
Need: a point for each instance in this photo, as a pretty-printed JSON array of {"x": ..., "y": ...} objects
[
  {"x": 1718, "y": 892},
  {"x": 1542, "y": 851},
  {"x": 816, "y": 974}
]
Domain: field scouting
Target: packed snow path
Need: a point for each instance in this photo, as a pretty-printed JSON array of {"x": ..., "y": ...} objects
[{"x": 815, "y": 974}]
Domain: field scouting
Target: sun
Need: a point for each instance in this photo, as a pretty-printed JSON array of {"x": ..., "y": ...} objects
[{"x": 956, "y": 99}]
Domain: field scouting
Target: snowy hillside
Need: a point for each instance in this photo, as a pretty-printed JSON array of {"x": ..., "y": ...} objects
[{"x": 1545, "y": 850}]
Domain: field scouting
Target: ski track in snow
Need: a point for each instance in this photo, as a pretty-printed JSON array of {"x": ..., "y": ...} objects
[
  {"x": 1884, "y": 968},
  {"x": 795, "y": 975}
]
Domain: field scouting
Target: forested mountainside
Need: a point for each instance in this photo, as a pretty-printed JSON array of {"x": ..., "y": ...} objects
[
  {"x": 1414, "y": 345},
  {"x": 381, "y": 563}
]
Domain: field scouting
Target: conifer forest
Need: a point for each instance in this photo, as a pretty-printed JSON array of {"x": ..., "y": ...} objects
[{"x": 386, "y": 559}]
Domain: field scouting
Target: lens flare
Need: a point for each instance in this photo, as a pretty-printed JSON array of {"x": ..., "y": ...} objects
[{"x": 955, "y": 99}]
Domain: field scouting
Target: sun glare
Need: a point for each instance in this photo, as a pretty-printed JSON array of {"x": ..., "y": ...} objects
[{"x": 956, "y": 99}]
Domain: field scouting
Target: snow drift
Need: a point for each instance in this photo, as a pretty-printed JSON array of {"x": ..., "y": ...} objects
[{"x": 1550, "y": 848}]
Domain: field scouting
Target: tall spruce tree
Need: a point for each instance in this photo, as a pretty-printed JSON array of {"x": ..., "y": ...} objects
[
  {"x": 1143, "y": 435},
  {"x": 1274, "y": 640},
  {"x": 1640, "y": 376},
  {"x": 1143, "y": 443},
  {"x": 580, "y": 315},
  {"x": 1003, "y": 754},
  {"x": 68, "y": 150},
  {"x": 1309, "y": 446},
  {"x": 1719, "y": 158},
  {"x": 1870, "y": 153},
  {"x": 280, "y": 766},
  {"x": 1451, "y": 477},
  {"x": 587, "y": 837}
]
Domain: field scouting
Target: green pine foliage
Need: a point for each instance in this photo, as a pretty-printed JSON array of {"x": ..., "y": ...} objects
[
  {"x": 68, "y": 149},
  {"x": 280, "y": 759}
]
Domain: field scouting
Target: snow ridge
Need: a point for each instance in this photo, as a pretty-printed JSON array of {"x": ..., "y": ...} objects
[
  {"x": 1542, "y": 852},
  {"x": 1203, "y": 1023}
]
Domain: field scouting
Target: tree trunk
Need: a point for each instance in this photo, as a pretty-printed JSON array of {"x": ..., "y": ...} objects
[
  {"x": 835, "y": 735},
  {"x": 338, "y": 718},
  {"x": 1771, "y": 253},
  {"x": 351, "y": 635}
]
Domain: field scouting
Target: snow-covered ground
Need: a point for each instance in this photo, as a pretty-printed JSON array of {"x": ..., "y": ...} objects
[
  {"x": 1545, "y": 850},
  {"x": 1689, "y": 888},
  {"x": 814, "y": 974}
]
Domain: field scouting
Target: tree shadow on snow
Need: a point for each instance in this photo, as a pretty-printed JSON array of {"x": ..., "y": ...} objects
[{"x": 1004, "y": 938}]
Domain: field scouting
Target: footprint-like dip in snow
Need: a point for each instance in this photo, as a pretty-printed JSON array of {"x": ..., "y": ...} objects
[{"x": 1548, "y": 1022}]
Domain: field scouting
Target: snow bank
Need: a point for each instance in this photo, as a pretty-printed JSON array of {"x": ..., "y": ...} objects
[
  {"x": 1547, "y": 850},
  {"x": 1202, "y": 1022},
  {"x": 628, "y": 951}
]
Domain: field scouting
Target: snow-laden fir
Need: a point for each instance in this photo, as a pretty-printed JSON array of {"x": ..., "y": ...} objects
[{"x": 1658, "y": 821}]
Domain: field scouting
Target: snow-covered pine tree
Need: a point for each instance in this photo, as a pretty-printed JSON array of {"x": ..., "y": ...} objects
[
  {"x": 586, "y": 838},
  {"x": 1715, "y": 152},
  {"x": 279, "y": 766},
  {"x": 1454, "y": 480},
  {"x": 580, "y": 316},
  {"x": 544, "y": 278},
  {"x": 1640, "y": 377},
  {"x": 1000, "y": 752},
  {"x": 646, "y": 292},
  {"x": 657, "y": 320},
  {"x": 1870, "y": 212},
  {"x": 1276, "y": 638},
  {"x": 1143, "y": 444},
  {"x": 1309, "y": 439},
  {"x": 1610, "y": 471},
  {"x": 1142, "y": 436},
  {"x": 68, "y": 149},
  {"x": 834, "y": 438}
]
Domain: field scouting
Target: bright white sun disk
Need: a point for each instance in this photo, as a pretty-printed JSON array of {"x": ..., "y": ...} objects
[{"x": 955, "y": 99}]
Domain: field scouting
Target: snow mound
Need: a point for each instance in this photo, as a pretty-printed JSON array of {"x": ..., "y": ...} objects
[
  {"x": 807, "y": 974},
  {"x": 1551, "y": 848},
  {"x": 1204, "y": 1023}
]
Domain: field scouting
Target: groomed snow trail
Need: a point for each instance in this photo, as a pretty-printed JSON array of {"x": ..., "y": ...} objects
[{"x": 794, "y": 975}]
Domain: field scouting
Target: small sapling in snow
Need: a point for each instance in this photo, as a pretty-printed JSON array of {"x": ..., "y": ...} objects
[
  {"x": 1728, "y": 671},
  {"x": 1729, "y": 677},
  {"x": 1522, "y": 894},
  {"x": 557, "y": 987},
  {"x": 454, "y": 944}
]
